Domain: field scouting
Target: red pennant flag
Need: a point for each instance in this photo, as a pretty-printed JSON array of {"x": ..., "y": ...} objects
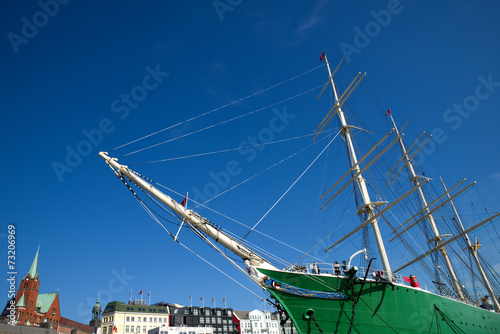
[
  {"x": 116, "y": 329},
  {"x": 184, "y": 201},
  {"x": 140, "y": 292},
  {"x": 201, "y": 298},
  {"x": 213, "y": 299},
  {"x": 322, "y": 57},
  {"x": 388, "y": 112},
  {"x": 407, "y": 279}
]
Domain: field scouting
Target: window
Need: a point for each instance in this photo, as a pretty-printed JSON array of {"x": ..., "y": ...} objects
[
  {"x": 150, "y": 319},
  {"x": 132, "y": 319},
  {"x": 128, "y": 319},
  {"x": 213, "y": 320},
  {"x": 218, "y": 313},
  {"x": 229, "y": 313},
  {"x": 144, "y": 319},
  {"x": 127, "y": 329},
  {"x": 219, "y": 320},
  {"x": 195, "y": 311},
  {"x": 154, "y": 320},
  {"x": 225, "y": 328},
  {"x": 144, "y": 328},
  {"x": 104, "y": 330},
  {"x": 207, "y": 312},
  {"x": 131, "y": 329},
  {"x": 159, "y": 320},
  {"x": 202, "y": 320}
]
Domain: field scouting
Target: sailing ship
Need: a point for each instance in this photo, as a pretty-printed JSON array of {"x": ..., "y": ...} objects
[{"x": 343, "y": 298}]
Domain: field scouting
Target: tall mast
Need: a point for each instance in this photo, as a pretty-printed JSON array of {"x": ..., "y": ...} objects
[
  {"x": 437, "y": 237},
  {"x": 192, "y": 218},
  {"x": 473, "y": 251},
  {"x": 368, "y": 207}
]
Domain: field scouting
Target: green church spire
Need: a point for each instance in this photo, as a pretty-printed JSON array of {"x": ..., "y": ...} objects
[{"x": 33, "y": 272}]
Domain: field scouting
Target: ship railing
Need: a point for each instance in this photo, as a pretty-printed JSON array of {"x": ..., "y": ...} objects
[{"x": 340, "y": 270}]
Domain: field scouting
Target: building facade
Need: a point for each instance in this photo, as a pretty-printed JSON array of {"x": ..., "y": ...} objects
[
  {"x": 139, "y": 318},
  {"x": 258, "y": 322},
  {"x": 135, "y": 317},
  {"x": 219, "y": 319}
]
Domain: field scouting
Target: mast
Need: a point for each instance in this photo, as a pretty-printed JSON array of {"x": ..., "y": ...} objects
[
  {"x": 437, "y": 237},
  {"x": 368, "y": 207},
  {"x": 473, "y": 252},
  {"x": 193, "y": 219}
]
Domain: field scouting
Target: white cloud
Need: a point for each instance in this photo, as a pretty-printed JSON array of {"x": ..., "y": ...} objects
[{"x": 495, "y": 177}]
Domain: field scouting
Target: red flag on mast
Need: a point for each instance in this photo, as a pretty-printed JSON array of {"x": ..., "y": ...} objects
[
  {"x": 140, "y": 292},
  {"x": 322, "y": 57},
  {"x": 184, "y": 201},
  {"x": 388, "y": 112}
]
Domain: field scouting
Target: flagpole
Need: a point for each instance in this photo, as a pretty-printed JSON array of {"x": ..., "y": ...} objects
[
  {"x": 130, "y": 299},
  {"x": 191, "y": 299},
  {"x": 202, "y": 301},
  {"x": 149, "y": 294}
]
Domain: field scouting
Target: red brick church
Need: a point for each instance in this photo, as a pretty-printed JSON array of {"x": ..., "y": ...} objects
[{"x": 33, "y": 308}]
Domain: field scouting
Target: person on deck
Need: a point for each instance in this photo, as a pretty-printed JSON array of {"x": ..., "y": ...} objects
[
  {"x": 315, "y": 269},
  {"x": 344, "y": 267},
  {"x": 336, "y": 266}
]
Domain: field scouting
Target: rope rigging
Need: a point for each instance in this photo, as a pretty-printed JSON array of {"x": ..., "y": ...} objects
[
  {"x": 297, "y": 180},
  {"x": 224, "y": 150},
  {"x": 220, "y": 123},
  {"x": 216, "y": 109}
]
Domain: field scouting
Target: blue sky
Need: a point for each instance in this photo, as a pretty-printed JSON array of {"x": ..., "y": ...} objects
[{"x": 69, "y": 66}]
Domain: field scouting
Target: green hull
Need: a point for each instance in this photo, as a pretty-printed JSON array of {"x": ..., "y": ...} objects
[{"x": 380, "y": 308}]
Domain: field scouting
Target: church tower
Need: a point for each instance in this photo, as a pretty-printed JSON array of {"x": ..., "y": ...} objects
[
  {"x": 95, "y": 322},
  {"x": 27, "y": 295},
  {"x": 33, "y": 308}
]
